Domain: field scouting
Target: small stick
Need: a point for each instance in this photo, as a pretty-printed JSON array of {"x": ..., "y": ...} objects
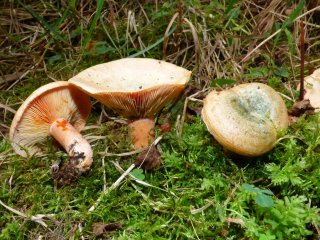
[
  {"x": 7, "y": 108},
  {"x": 116, "y": 183},
  {"x": 195, "y": 211},
  {"x": 113, "y": 186},
  {"x": 124, "y": 154},
  {"x": 143, "y": 183},
  {"x": 191, "y": 97},
  {"x": 155, "y": 205},
  {"x": 104, "y": 175},
  {"x": 195, "y": 232},
  {"x": 301, "y": 61}
]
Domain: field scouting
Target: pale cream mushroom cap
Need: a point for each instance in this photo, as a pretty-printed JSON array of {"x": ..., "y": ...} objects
[
  {"x": 133, "y": 87},
  {"x": 312, "y": 89},
  {"x": 245, "y": 119},
  {"x": 31, "y": 124}
]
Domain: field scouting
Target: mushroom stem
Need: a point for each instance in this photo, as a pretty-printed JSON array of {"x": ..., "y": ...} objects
[
  {"x": 78, "y": 148},
  {"x": 142, "y": 132}
]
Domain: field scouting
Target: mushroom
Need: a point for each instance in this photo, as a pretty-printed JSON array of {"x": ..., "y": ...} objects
[
  {"x": 136, "y": 88},
  {"x": 312, "y": 89},
  {"x": 58, "y": 110},
  {"x": 245, "y": 119}
]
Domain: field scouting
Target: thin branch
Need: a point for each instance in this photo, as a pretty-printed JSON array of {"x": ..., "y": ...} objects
[
  {"x": 124, "y": 154},
  {"x": 119, "y": 180},
  {"x": 113, "y": 186}
]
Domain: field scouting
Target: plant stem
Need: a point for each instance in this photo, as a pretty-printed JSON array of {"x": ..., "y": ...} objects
[{"x": 301, "y": 61}]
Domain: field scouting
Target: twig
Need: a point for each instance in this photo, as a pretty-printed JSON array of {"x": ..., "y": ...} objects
[
  {"x": 235, "y": 220},
  {"x": 36, "y": 218},
  {"x": 22, "y": 76},
  {"x": 119, "y": 168},
  {"x": 286, "y": 97},
  {"x": 198, "y": 210},
  {"x": 317, "y": 228},
  {"x": 191, "y": 97},
  {"x": 154, "y": 205},
  {"x": 117, "y": 183},
  {"x": 195, "y": 232},
  {"x": 131, "y": 152},
  {"x": 309, "y": 62},
  {"x": 122, "y": 154},
  {"x": 7, "y": 108},
  {"x": 104, "y": 175},
  {"x": 113, "y": 186}
]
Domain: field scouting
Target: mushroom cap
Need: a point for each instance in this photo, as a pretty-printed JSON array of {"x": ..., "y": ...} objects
[
  {"x": 133, "y": 87},
  {"x": 31, "y": 124},
  {"x": 245, "y": 119},
  {"x": 312, "y": 89}
]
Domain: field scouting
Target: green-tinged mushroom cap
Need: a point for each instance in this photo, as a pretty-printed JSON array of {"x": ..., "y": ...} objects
[{"x": 245, "y": 119}]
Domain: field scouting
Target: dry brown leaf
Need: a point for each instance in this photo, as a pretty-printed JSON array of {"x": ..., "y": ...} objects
[
  {"x": 301, "y": 107},
  {"x": 99, "y": 229},
  {"x": 149, "y": 159}
]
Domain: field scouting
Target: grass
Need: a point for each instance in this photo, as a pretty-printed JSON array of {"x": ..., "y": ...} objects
[{"x": 200, "y": 191}]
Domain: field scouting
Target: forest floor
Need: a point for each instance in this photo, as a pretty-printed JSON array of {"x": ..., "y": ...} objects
[{"x": 199, "y": 191}]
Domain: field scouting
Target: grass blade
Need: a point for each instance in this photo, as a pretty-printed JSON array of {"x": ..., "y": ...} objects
[{"x": 94, "y": 22}]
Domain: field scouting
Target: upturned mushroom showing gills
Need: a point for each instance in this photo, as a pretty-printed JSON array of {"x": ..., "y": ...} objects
[
  {"x": 245, "y": 119},
  {"x": 136, "y": 88},
  {"x": 58, "y": 110}
]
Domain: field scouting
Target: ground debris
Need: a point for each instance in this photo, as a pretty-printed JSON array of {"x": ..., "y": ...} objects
[
  {"x": 149, "y": 159},
  {"x": 66, "y": 174},
  {"x": 301, "y": 107},
  {"x": 165, "y": 127},
  {"x": 99, "y": 229}
]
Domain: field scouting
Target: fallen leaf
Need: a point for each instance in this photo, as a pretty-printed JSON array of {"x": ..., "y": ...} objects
[
  {"x": 99, "y": 229},
  {"x": 301, "y": 107},
  {"x": 165, "y": 127},
  {"x": 149, "y": 159}
]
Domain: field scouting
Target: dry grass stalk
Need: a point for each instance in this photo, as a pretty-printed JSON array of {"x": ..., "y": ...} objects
[{"x": 38, "y": 218}]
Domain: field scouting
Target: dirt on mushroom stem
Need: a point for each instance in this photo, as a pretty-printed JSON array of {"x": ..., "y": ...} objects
[
  {"x": 59, "y": 110},
  {"x": 78, "y": 149}
]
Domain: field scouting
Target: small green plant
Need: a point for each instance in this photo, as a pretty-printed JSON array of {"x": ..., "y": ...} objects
[{"x": 261, "y": 197}]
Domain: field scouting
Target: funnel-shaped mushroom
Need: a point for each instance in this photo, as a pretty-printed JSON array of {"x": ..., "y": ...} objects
[
  {"x": 136, "y": 88},
  {"x": 312, "y": 89},
  {"x": 58, "y": 110},
  {"x": 245, "y": 119}
]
